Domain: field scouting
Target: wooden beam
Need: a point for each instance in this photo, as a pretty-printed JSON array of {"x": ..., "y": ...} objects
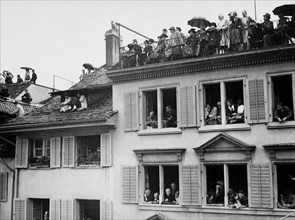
[{"x": 8, "y": 141}]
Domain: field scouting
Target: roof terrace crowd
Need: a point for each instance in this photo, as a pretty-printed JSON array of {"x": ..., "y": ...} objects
[{"x": 232, "y": 35}]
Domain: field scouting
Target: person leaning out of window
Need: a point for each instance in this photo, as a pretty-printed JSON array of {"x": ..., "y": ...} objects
[{"x": 282, "y": 113}]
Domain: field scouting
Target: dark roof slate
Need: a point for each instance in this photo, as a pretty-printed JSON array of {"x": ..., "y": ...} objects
[
  {"x": 16, "y": 88},
  {"x": 8, "y": 107}
]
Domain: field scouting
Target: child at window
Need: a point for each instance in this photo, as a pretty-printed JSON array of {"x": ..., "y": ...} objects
[{"x": 242, "y": 199}]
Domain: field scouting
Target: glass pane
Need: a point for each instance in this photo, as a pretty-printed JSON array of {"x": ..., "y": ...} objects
[
  {"x": 38, "y": 147},
  {"x": 88, "y": 150},
  {"x": 151, "y": 184},
  {"x": 89, "y": 209},
  {"x": 169, "y": 108},
  {"x": 47, "y": 147},
  {"x": 215, "y": 184},
  {"x": 171, "y": 185},
  {"x": 212, "y": 111},
  {"x": 150, "y": 109}
]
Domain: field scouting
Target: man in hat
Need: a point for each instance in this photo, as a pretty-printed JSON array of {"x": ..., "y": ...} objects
[
  {"x": 27, "y": 76},
  {"x": 147, "y": 51},
  {"x": 19, "y": 79},
  {"x": 173, "y": 50},
  {"x": 138, "y": 52},
  {"x": 34, "y": 77},
  {"x": 246, "y": 21},
  {"x": 131, "y": 60},
  {"x": 267, "y": 30},
  {"x": 178, "y": 29},
  {"x": 213, "y": 38},
  {"x": 191, "y": 43},
  {"x": 19, "y": 112}
]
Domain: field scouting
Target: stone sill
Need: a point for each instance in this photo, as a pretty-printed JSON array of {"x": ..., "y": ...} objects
[
  {"x": 233, "y": 127},
  {"x": 159, "y": 131},
  {"x": 275, "y": 125}
]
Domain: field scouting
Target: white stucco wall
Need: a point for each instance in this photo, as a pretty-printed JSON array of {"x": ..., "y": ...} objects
[{"x": 38, "y": 93}]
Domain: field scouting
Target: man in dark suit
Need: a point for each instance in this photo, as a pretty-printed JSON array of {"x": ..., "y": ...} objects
[{"x": 267, "y": 30}]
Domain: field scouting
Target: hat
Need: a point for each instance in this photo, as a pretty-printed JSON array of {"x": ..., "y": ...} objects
[
  {"x": 192, "y": 30},
  {"x": 130, "y": 46},
  {"x": 213, "y": 24},
  {"x": 163, "y": 35},
  {"x": 178, "y": 28},
  {"x": 151, "y": 41},
  {"x": 266, "y": 15},
  {"x": 165, "y": 29},
  {"x": 134, "y": 40},
  {"x": 172, "y": 28}
]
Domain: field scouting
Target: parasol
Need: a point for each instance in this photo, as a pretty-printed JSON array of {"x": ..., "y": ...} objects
[
  {"x": 198, "y": 22},
  {"x": 286, "y": 10},
  {"x": 26, "y": 68},
  {"x": 88, "y": 66}
]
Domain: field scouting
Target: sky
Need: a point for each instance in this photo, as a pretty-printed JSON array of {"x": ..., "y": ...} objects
[{"x": 56, "y": 37}]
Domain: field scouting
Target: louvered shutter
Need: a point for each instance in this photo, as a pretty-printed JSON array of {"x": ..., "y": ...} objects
[
  {"x": 131, "y": 111},
  {"x": 21, "y": 157},
  {"x": 260, "y": 186},
  {"x": 3, "y": 186},
  {"x": 105, "y": 210},
  {"x": 187, "y": 106},
  {"x": 55, "y": 152},
  {"x": 129, "y": 184},
  {"x": 191, "y": 194},
  {"x": 257, "y": 107},
  {"x": 19, "y": 209},
  {"x": 106, "y": 150},
  {"x": 68, "y": 151},
  {"x": 67, "y": 209},
  {"x": 54, "y": 209}
]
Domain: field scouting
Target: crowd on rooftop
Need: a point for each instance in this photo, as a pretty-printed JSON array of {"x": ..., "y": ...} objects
[{"x": 208, "y": 38}]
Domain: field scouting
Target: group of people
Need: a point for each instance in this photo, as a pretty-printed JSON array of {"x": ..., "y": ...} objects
[
  {"x": 6, "y": 77},
  {"x": 169, "y": 119},
  {"x": 75, "y": 102},
  {"x": 232, "y": 34},
  {"x": 234, "y": 113},
  {"x": 171, "y": 196}
]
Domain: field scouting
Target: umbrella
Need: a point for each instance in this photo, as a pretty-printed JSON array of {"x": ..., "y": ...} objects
[
  {"x": 88, "y": 66},
  {"x": 198, "y": 22},
  {"x": 286, "y": 10},
  {"x": 26, "y": 68}
]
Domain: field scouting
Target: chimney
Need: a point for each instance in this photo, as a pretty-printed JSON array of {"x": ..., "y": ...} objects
[{"x": 112, "y": 46}]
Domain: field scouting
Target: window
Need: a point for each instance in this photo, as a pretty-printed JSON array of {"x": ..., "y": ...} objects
[
  {"x": 285, "y": 185},
  {"x": 282, "y": 100},
  {"x": 88, "y": 209},
  {"x": 39, "y": 152},
  {"x": 88, "y": 151},
  {"x": 161, "y": 184},
  {"x": 3, "y": 186},
  {"x": 159, "y": 108},
  {"x": 223, "y": 102},
  {"x": 226, "y": 185},
  {"x": 39, "y": 209}
]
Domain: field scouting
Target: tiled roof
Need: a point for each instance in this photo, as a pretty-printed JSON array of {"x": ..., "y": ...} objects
[
  {"x": 8, "y": 107},
  {"x": 16, "y": 88}
]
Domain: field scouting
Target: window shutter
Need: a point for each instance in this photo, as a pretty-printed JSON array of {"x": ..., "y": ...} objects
[
  {"x": 22, "y": 148},
  {"x": 54, "y": 209},
  {"x": 257, "y": 107},
  {"x": 131, "y": 111},
  {"x": 67, "y": 210},
  {"x": 106, "y": 150},
  {"x": 19, "y": 209},
  {"x": 187, "y": 106},
  {"x": 260, "y": 186},
  {"x": 105, "y": 210},
  {"x": 55, "y": 152},
  {"x": 191, "y": 194},
  {"x": 129, "y": 184},
  {"x": 3, "y": 186},
  {"x": 68, "y": 151}
]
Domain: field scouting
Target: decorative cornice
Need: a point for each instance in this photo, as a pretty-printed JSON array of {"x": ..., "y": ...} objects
[
  {"x": 198, "y": 65},
  {"x": 177, "y": 151},
  {"x": 274, "y": 148}
]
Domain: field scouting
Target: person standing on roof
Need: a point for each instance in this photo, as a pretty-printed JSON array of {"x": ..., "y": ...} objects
[
  {"x": 8, "y": 78},
  {"x": 34, "y": 77},
  {"x": 27, "y": 76},
  {"x": 19, "y": 112},
  {"x": 19, "y": 79}
]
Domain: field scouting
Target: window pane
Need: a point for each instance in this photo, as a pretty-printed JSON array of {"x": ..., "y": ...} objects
[
  {"x": 282, "y": 93},
  {"x": 171, "y": 185},
  {"x": 38, "y": 147},
  {"x": 40, "y": 209},
  {"x": 151, "y": 184},
  {"x": 150, "y": 109},
  {"x": 215, "y": 184},
  {"x": 238, "y": 186},
  {"x": 212, "y": 112},
  {"x": 286, "y": 186},
  {"x": 234, "y": 102},
  {"x": 88, "y": 150},
  {"x": 89, "y": 209},
  {"x": 47, "y": 147},
  {"x": 169, "y": 108}
]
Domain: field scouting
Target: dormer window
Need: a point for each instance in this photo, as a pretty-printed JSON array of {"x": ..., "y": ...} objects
[{"x": 74, "y": 102}]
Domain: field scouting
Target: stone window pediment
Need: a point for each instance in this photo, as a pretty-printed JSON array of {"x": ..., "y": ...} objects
[
  {"x": 281, "y": 151},
  {"x": 158, "y": 216},
  {"x": 158, "y": 155},
  {"x": 224, "y": 147}
]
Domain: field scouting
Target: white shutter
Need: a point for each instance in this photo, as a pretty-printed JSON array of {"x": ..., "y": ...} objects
[
  {"x": 129, "y": 184},
  {"x": 68, "y": 151},
  {"x": 131, "y": 111},
  {"x": 105, "y": 210},
  {"x": 191, "y": 194},
  {"x": 21, "y": 153},
  {"x": 55, "y": 151},
  {"x": 19, "y": 209},
  {"x": 3, "y": 186},
  {"x": 106, "y": 150},
  {"x": 54, "y": 208},
  {"x": 187, "y": 106},
  {"x": 67, "y": 209}
]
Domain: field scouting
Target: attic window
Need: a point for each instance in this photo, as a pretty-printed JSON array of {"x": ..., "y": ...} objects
[{"x": 73, "y": 102}]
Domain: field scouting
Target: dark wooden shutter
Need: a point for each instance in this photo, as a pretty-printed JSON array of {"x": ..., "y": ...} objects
[
  {"x": 3, "y": 186},
  {"x": 191, "y": 194},
  {"x": 131, "y": 111},
  {"x": 21, "y": 153},
  {"x": 105, "y": 210},
  {"x": 55, "y": 206},
  {"x": 19, "y": 209},
  {"x": 67, "y": 210},
  {"x": 129, "y": 184},
  {"x": 68, "y": 151},
  {"x": 106, "y": 150},
  {"x": 55, "y": 152},
  {"x": 187, "y": 106},
  {"x": 260, "y": 186},
  {"x": 257, "y": 107}
]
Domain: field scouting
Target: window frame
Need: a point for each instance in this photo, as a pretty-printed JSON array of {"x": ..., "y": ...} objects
[
  {"x": 273, "y": 124},
  {"x": 43, "y": 146},
  {"x": 161, "y": 184},
  {"x": 225, "y": 165},
  {"x": 44, "y": 152},
  {"x": 160, "y": 108},
  {"x": 202, "y": 101}
]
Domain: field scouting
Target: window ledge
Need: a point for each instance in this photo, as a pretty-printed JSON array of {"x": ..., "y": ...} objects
[
  {"x": 159, "y": 131},
  {"x": 286, "y": 124},
  {"x": 234, "y": 127},
  {"x": 88, "y": 167}
]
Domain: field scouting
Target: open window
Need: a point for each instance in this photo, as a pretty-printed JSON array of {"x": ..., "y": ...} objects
[
  {"x": 39, "y": 150},
  {"x": 38, "y": 209},
  {"x": 88, "y": 150},
  {"x": 159, "y": 108},
  {"x": 88, "y": 209}
]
